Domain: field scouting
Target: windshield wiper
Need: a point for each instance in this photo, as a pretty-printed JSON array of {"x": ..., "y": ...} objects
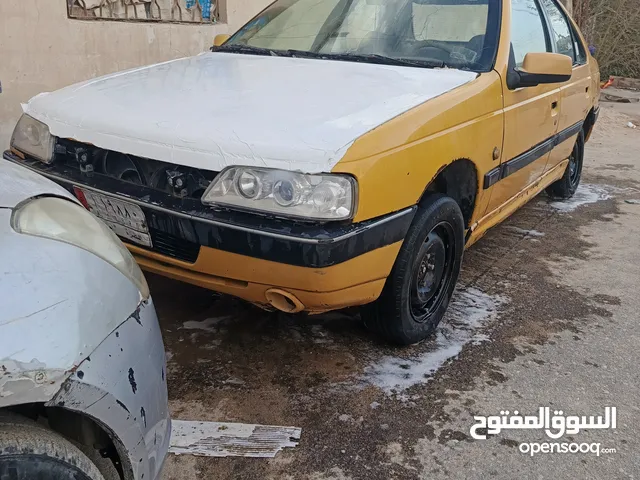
[
  {"x": 349, "y": 57},
  {"x": 240, "y": 48},
  {"x": 368, "y": 58}
]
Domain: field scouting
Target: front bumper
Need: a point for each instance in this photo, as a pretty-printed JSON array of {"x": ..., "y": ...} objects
[
  {"x": 355, "y": 282},
  {"x": 324, "y": 267},
  {"x": 122, "y": 385}
]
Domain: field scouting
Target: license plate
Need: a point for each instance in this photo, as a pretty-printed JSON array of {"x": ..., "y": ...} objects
[{"x": 126, "y": 219}]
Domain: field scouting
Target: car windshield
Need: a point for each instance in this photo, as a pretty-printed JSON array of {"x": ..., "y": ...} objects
[{"x": 428, "y": 33}]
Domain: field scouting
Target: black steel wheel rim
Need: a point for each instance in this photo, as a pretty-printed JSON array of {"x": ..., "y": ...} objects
[
  {"x": 432, "y": 273},
  {"x": 575, "y": 164}
]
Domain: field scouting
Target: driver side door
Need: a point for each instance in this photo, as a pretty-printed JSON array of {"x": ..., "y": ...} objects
[{"x": 531, "y": 114}]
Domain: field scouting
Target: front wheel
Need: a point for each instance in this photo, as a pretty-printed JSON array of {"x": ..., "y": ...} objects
[
  {"x": 417, "y": 292},
  {"x": 30, "y": 451},
  {"x": 566, "y": 187}
]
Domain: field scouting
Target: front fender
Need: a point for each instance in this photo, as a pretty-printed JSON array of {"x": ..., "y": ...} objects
[
  {"x": 395, "y": 162},
  {"x": 58, "y": 303},
  {"x": 122, "y": 386}
]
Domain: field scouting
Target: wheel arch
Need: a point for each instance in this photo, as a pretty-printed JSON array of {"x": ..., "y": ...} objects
[
  {"x": 458, "y": 180},
  {"x": 82, "y": 429},
  {"x": 589, "y": 123}
]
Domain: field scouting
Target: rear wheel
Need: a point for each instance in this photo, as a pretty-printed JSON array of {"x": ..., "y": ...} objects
[
  {"x": 30, "y": 451},
  {"x": 566, "y": 187},
  {"x": 417, "y": 292}
]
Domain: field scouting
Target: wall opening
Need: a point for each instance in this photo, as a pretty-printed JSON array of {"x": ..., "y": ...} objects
[{"x": 172, "y": 11}]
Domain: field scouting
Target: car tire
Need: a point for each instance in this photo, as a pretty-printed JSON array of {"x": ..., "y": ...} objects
[
  {"x": 566, "y": 187},
  {"x": 417, "y": 292},
  {"x": 29, "y": 450}
]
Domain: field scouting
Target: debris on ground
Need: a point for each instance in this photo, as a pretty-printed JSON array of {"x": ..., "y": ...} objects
[
  {"x": 620, "y": 94},
  {"x": 624, "y": 82},
  {"x": 619, "y": 99},
  {"x": 607, "y": 84},
  {"x": 215, "y": 439}
]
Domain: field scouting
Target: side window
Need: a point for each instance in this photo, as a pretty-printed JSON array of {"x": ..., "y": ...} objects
[
  {"x": 581, "y": 53},
  {"x": 527, "y": 30},
  {"x": 560, "y": 32},
  {"x": 578, "y": 46}
]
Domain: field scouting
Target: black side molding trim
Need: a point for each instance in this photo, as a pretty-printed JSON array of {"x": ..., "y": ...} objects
[
  {"x": 527, "y": 158},
  {"x": 567, "y": 133},
  {"x": 517, "y": 163},
  {"x": 492, "y": 177}
]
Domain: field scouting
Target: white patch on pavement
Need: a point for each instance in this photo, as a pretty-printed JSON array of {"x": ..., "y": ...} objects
[
  {"x": 215, "y": 439},
  {"x": 526, "y": 233},
  {"x": 469, "y": 311},
  {"x": 585, "y": 195},
  {"x": 208, "y": 325}
]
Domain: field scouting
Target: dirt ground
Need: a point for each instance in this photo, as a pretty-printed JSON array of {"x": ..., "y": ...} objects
[{"x": 546, "y": 315}]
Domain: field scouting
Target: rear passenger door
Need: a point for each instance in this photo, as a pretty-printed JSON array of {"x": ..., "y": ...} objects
[{"x": 574, "y": 94}]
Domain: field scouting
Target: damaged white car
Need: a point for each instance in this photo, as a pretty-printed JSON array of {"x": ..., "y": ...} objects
[{"x": 83, "y": 390}]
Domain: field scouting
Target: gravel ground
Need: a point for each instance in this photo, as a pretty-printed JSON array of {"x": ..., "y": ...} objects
[{"x": 546, "y": 315}]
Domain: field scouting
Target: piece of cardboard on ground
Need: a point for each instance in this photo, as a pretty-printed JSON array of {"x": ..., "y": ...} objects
[
  {"x": 216, "y": 439},
  {"x": 620, "y": 95}
]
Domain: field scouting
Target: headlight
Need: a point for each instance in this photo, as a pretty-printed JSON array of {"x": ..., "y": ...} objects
[
  {"x": 284, "y": 193},
  {"x": 65, "y": 221},
  {"x": 33, "y": 138}
]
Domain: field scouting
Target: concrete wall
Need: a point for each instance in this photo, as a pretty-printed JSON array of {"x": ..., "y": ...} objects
[{"x": 42, "y": 50}]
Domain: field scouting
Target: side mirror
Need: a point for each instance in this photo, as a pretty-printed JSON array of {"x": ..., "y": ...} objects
[
  {"x": 220, "y": 39},
  {"x": 541, "y": 68}
]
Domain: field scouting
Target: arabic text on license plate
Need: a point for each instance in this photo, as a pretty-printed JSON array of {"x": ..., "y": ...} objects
[{"x": 126, "y": 219}]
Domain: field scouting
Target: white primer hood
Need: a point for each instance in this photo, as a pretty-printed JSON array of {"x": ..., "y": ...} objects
[{"x": 219, "y": 109}]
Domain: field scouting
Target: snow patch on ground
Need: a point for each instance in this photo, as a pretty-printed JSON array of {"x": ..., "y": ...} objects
[
  {"x": 526, "y": 233},
  {"x": 585, "y": 195},
  {"x": 207, "y": 325},
  {"x": 469, "y": 311}
]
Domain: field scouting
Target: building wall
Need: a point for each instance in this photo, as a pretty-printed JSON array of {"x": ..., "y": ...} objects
[{"x": 42, "y": 50}]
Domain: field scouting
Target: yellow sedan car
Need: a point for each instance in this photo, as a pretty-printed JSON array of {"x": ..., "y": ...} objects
[{"x": 329, "y": 154}]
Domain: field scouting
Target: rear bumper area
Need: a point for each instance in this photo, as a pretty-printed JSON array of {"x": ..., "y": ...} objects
[{"x": 311, "y": 267}]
